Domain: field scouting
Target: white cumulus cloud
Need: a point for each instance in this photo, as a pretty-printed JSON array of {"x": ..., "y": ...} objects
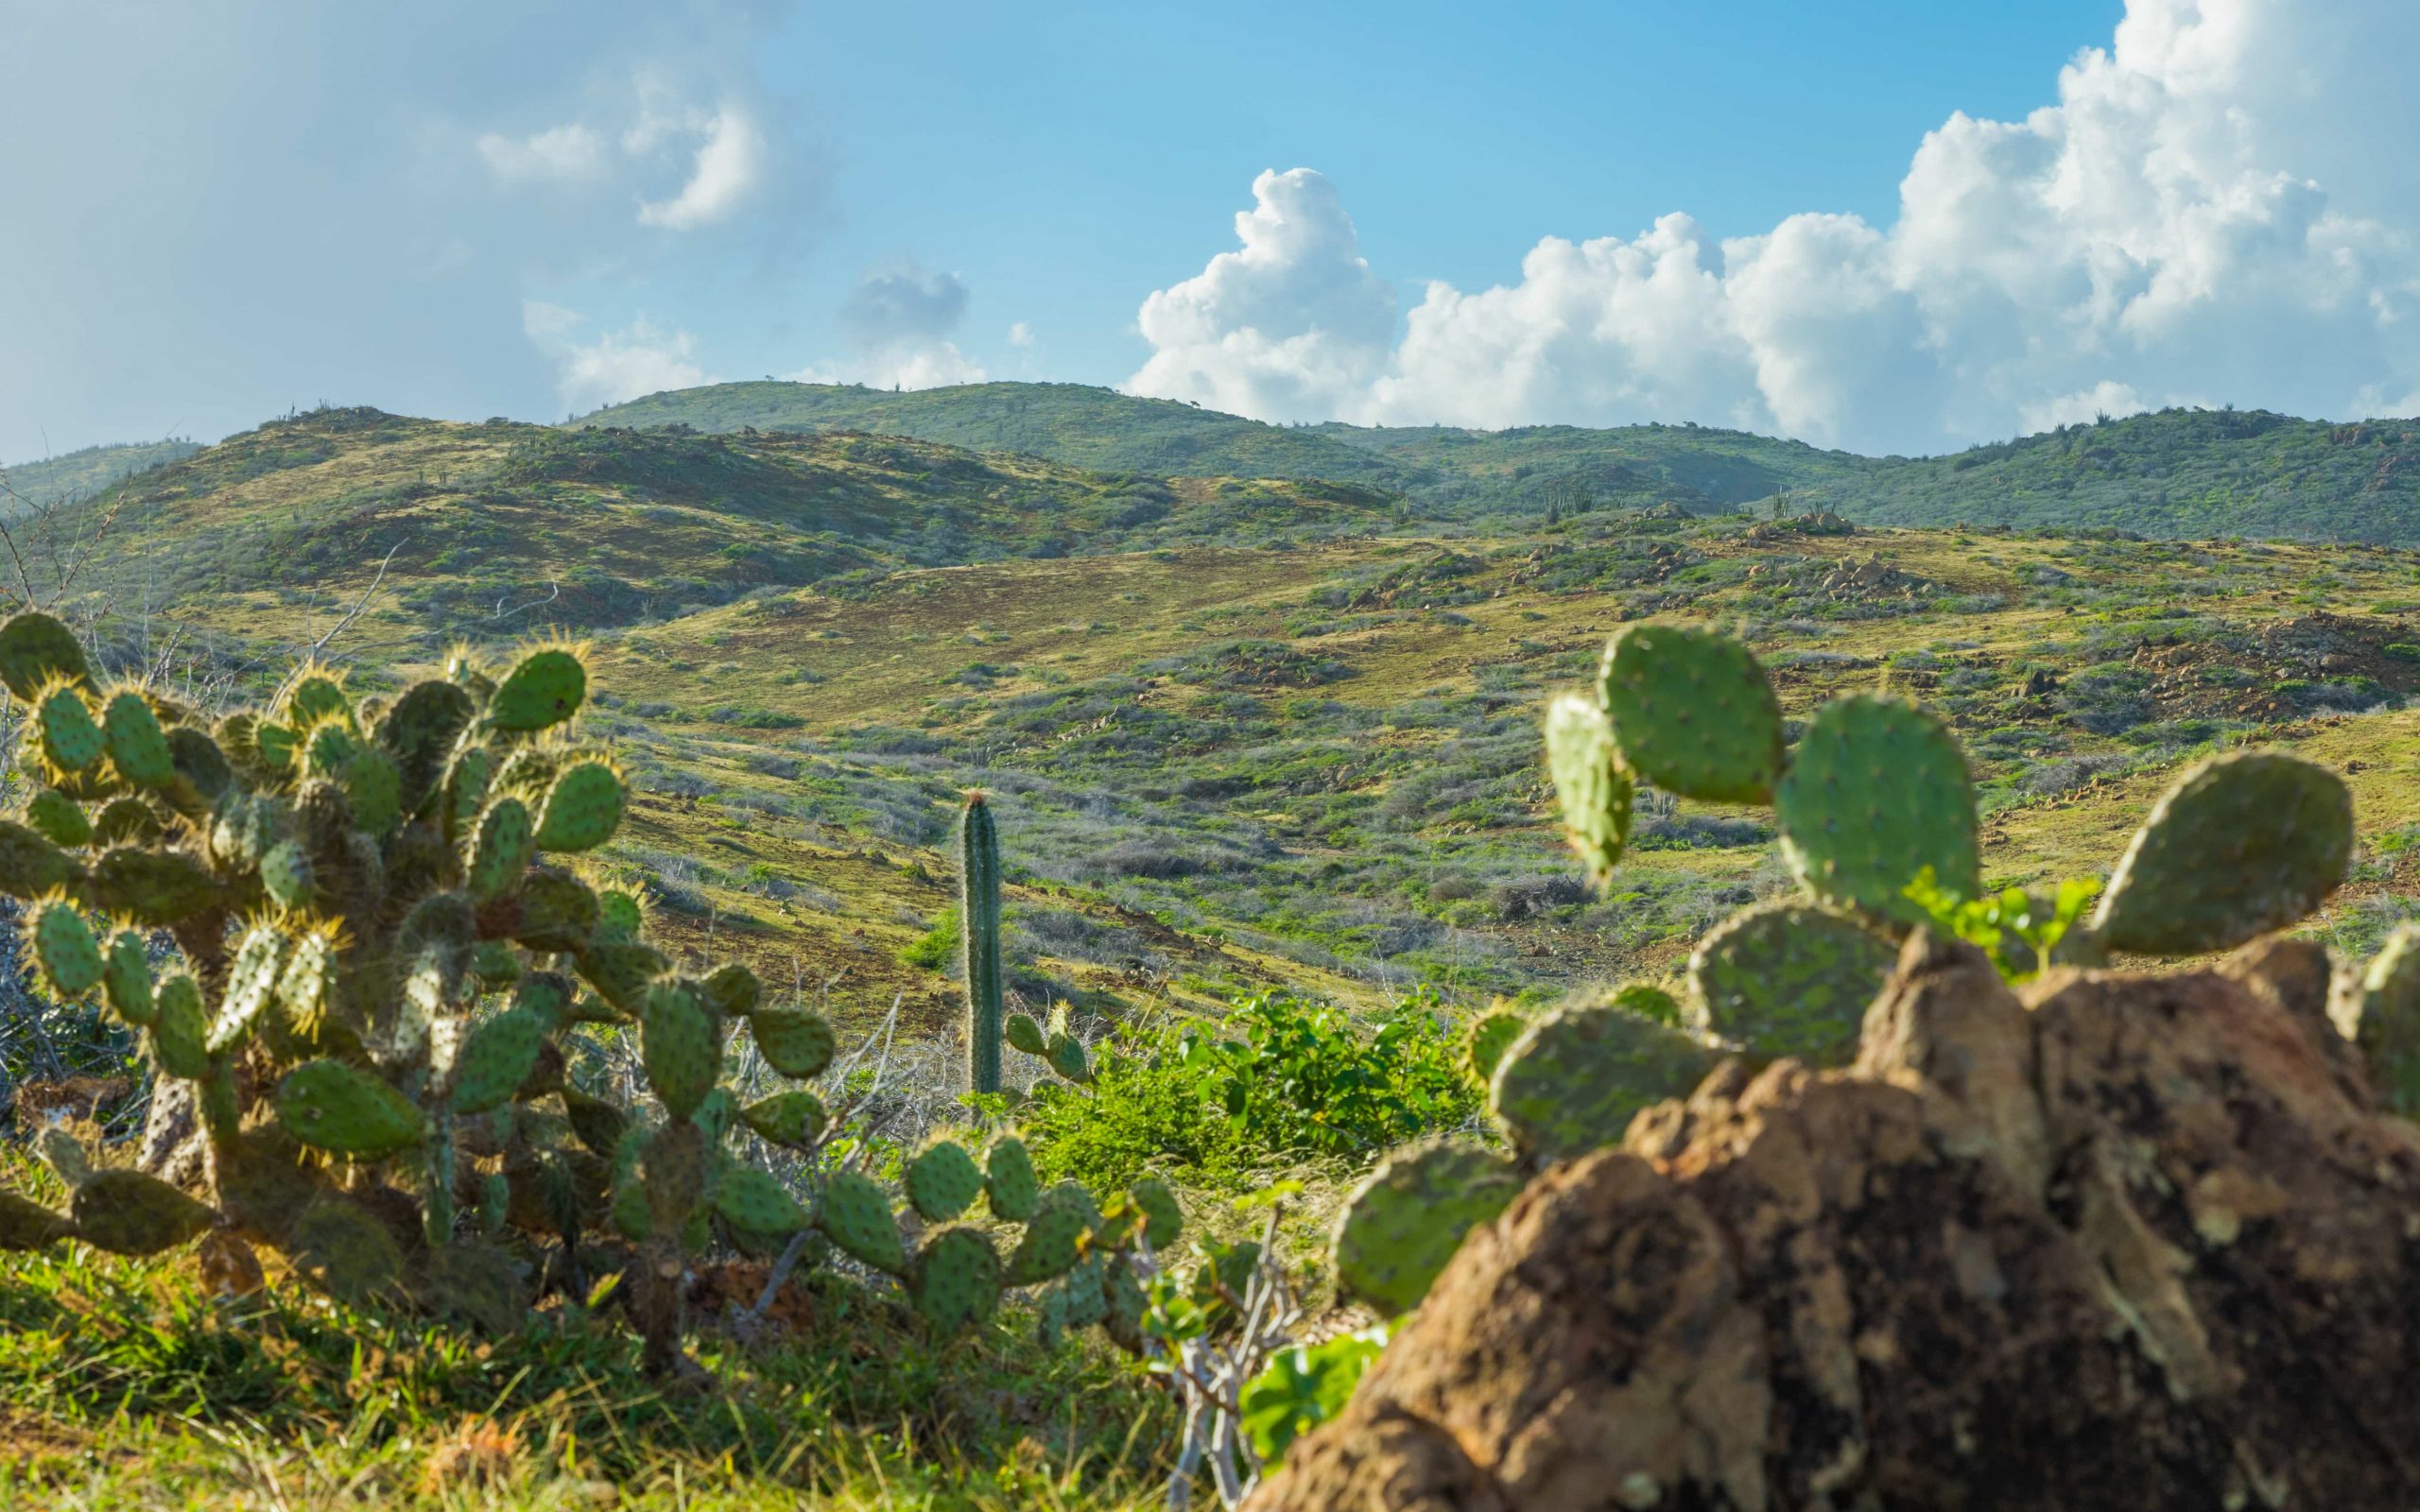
[
  {"x": 608, "y": 367},
  {"x": 728, "y": 163},
  {"x": 2219, "y": 205}
]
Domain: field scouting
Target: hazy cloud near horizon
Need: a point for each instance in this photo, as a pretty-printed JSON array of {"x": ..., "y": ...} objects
[
  {"x": 449, "y": 207},
  {"x": 2218, "y": 207}
]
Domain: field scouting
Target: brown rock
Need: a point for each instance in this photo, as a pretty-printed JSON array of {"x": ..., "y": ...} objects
[{"x": 2130, "y": 1242}]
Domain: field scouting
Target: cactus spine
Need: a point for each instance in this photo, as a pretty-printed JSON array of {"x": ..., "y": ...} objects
[{"x": 978, "y": 913}]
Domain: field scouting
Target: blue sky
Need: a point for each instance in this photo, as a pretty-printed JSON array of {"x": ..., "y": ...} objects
[{"x": 1884, "y": 225}]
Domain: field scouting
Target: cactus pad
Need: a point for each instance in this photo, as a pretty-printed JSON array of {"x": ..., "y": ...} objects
[
  {"x": 1069, "y": 1059},
  {"x": 71, "y": 741},
  {"x": 1877, "y": 792},
  {"x": 1788, "y": 979},
  {"x": 1488, "y": 1037},
  {"x": 956, "y": 1280},
  {"x": 942, "y": 1180},
  {"x": 2382, "y": 1017},
  {"x": 794, "y": 1118},
  {"x": 1646, "y": 1000},
  {"x": 1025, "y": 1035},
  {"x": 544, "y": 689},
  {"x": 496, "y": 1059},
  {"x": 126, "y": 980},
  {"x": 58, "y": 819},
  {"x": 27, "y": 1225},
  {"x": 732, "y": 990},
  {"x": 678, "y": 1046},
  {"x": 1590, "y": 787},
  {"x": 798, "y": 1042},
  {"x": 138, "y": 747},
  {"x": 1693, "y": 714},
  {"x": 1572, "y": 1082},
  {"x": 286, "y": 874},
  {"x": 507, "y": 842},
  {"x": 756, "y": 1201},
  {"x": 1163, "y": 1219},
  {"x": 1053, "y": 1238},
  {"x": 36, "y": 650},
  {"x": 558, "y": 912},
  {"x": 583, "y": 808},
  {"x": 182, "y": 1026},
  {"x": 330, "y": 1106},
  {"x": 1402, "y": 1226},
  {"x": 252, "y": 984},
  {"x": 376, "y": 790},
  {"x": 128, "y": 1213},
  {"x": 149, "y": 887},
  {"x": 1008, "y": 1182},
  {"x": 345, "y": 1252},
  {"x": 64, "y": 946},
  {"x": 2241, "y": 844},
  {"x": 855, "y": 1217},
  {"x": 29, "y": 864},
  {"x": 621, "y": 969}
]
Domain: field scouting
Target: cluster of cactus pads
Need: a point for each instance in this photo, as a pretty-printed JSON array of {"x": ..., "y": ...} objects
[
  {"x": 1873, "y": 797},
  {"x": 386, "y": 949}
]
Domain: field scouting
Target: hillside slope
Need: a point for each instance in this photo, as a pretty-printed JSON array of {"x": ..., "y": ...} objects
[
  {"x": 1238, "y": 733},
  {"x": 625, "y": 524},
  {"x": 78, "y": 473},
  {"x": 2179, "y": 474},
  {"x": 1071, "y": 423}
]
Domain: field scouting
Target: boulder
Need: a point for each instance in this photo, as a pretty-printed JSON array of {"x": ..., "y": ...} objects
[{"x": 2116, "y": 1242}]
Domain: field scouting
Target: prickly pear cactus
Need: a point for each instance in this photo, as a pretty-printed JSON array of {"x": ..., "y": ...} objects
[
  {"x": 2242, "y": 844},
  {"x": 377, "y": 945},
  {"x": 1575, "y": 1078},
  {"x": 1402, "y": 1224},
  {"x": 1877, "y": 793},
  {"x": 1693, "y": 714},
  {"x": 1788, "y": 979}
]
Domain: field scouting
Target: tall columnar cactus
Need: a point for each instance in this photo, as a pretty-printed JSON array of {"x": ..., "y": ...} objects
[
  {"x": 978, "y": 916},
  {"x": 1874, "y": 799}
]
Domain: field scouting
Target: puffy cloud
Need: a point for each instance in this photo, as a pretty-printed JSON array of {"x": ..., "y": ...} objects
[
  {"x": 611, "y": 366},
  {"x": 729, "y": 161},
  {"x": 721, "y": 156},
  {"x": 2201, "y": 214},
  {"x": 900, "y": 318},
  {"x": 1020, "y": 335},
  {"x": 1291, "y": 327}
]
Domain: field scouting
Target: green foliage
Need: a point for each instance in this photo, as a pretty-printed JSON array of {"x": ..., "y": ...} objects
[
  {"x": 936, "y": 947},
  {"x": 1305, "y": 1386},
  {"x": 2020, "y": 930},
  {"x": 1279, "y": 1076}
]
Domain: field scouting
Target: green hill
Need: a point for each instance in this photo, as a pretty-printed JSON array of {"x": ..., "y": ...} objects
[
  {"x": 620, "y": 524},
  {"x": 1071, "y": 423},
  {"x": 2185, "y": 473},
  {"x": 76, "y": 475}
]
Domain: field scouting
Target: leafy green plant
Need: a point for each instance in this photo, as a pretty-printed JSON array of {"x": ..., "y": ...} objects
[
  {"x": 2020, "y": 930},
  {"x": 1279, "y": 1075},
  {"x": 1305, "y": 1386},
  {"x": 938, "y": 946}
]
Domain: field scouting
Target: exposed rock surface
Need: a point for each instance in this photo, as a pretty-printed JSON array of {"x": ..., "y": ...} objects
[{"x": 2135, "y": 1241}]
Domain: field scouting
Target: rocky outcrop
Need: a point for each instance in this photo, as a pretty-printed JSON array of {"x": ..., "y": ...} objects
[{"x": 2127, "y": 1241}]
